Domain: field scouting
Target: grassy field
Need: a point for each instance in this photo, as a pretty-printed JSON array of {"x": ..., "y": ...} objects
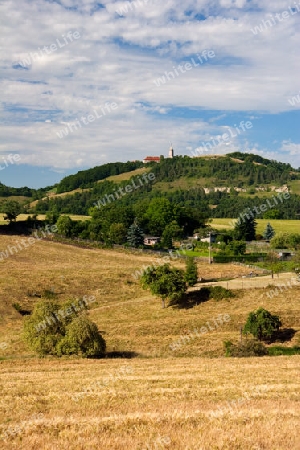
[
  {"x": 127, "y": 175},
  {"x": 295, "y": 186},
  {"x": 189, "y": 398},
  {"x": 289, "y": 226}
]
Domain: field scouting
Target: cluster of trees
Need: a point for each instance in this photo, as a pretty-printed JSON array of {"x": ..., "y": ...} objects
[
  {"x": 156, "y": 217},
  {"x": 6, "y": 191},
  {"x": 285, "y": 240},
  {"x": 227, "y": 205},
  {"x": 231, "y": 205},
  {"x": 82, "y": 202},
  {"x": 54, "y": 329}
]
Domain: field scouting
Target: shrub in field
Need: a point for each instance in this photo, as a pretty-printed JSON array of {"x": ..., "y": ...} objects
[
  {"x": 51, "y": 330},
  {"x": 279, "y": 350},
  {"x": 191, "y": 272},
  {"x": 262, "y": 324},
  {"x": 17, "y": 306},
  {"x": 219, "y": 293},
  {"x": 245, "y": 349},
  {"x": 82, "y": 338}
]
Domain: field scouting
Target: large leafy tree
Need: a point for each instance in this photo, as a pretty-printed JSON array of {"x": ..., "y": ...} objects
[
  {"x": 190, "y": 219},
  {"x": 171, "y": 231},
  {"x": 158, "y": 215},
  {"x": 65, "y": 226},
  {"x": 262, "y": 324},
  {"x": 117, "y": 233},
  {"x": 11, "y": 210},
  {"x": 244, "y": 229},
  {"x": 165, "y": 282}
]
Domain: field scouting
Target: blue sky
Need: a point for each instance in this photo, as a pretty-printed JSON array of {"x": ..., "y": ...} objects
[{"x": 85, "y": 83}]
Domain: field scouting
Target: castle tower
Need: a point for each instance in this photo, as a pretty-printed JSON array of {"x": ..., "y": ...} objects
[{"x": 171, "y": 152}]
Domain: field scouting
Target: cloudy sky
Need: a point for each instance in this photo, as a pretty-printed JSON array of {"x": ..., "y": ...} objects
[{"x": 85, "y": 83}]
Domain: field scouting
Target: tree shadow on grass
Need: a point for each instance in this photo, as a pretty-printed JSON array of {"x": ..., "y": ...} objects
[
  {"x": 283, "y": 335},
  {"x": 116, "y": 355},
  {"x": 24, "y": 312},
  {"x": 121, "y": 354},
  {"x": 191, "y": 299}
]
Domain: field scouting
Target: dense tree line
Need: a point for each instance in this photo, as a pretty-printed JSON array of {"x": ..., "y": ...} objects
[
  {"x": 158, "y": 217},
  {"x": 226, "y": 171},
  {"x": 232, "y": 205},
  {"x": 6, "y": 191},
  {"x": 215, "y": 204},
  {"x": 87, "y": 178}
]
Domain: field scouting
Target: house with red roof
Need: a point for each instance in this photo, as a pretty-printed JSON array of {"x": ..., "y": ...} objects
[{"x": 151, "y": 159}]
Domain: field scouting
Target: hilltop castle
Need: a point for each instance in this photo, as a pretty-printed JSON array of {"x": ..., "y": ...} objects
[{"x": 157, "y": 158}]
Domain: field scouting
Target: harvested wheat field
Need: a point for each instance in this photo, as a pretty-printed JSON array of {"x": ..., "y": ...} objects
[
  {"x": 173, "y": 388},
  {"x": 191, "y": 404}
]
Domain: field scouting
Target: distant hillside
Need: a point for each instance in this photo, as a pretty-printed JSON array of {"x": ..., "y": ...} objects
[
  {"x": 6, "y": 191},
  {"x": 222, "y": 169},
  {"x": 222, "y": 184}
]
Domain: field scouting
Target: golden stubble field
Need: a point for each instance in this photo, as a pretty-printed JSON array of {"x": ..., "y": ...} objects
[
  {"x": 180, "y": 404},
  {"x": 191, "y": 398}
]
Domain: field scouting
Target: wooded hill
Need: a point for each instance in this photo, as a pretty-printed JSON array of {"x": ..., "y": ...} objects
[
  {"x": 183, "y": 181},
  {"x": 233, "y": 169},
  {"x": 246, "y": 180}
]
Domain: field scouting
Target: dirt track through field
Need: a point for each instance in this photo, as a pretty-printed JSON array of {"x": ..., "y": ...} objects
[{"x": 284, "y": 280}]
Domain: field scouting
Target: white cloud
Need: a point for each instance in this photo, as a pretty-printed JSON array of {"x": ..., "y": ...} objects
[
  {"x": 116, "y": 60},
  {"x": 291, "y": 148}
]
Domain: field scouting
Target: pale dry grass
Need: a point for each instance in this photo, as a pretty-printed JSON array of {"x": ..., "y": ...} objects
[
  {"x": 131, "y": 319},
  {"x": 170, "y": 399}
]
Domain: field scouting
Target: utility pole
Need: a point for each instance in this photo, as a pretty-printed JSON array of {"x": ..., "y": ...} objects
[{"x": 209, "y": 248}]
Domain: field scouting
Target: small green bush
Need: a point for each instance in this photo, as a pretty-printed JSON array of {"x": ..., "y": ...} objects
[
  {"x": 191, "y": 272},
  {"x": 17, "y": 306},
  {"x": 262, "y": 324},
  {"x": 82, "y": 338},
  {"x": 245, "y": 349},
  {"x": 49, "y": 294},
  {"x": 219, "y": 293},
  {"x": 279, "y": 350}
]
